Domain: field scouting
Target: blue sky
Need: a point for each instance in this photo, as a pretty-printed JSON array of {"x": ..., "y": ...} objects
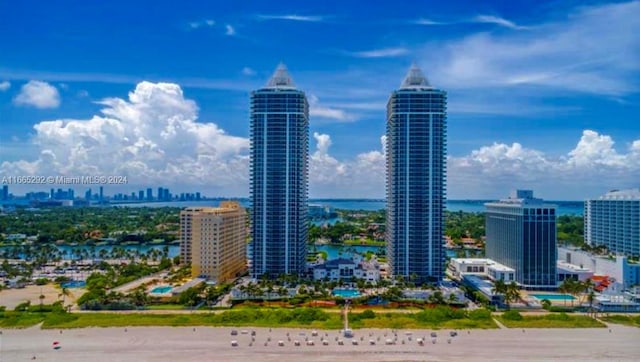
[{"x": 542, "y": 95}]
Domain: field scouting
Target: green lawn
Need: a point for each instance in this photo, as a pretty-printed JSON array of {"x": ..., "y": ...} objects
[
  {"x": 622, "y": 319},
  {"x": 10, "y": 319},
  {"x": 166, "y": 307},
  {"x": 436, "y": 318},
  {"x": 551, "y": 321}
]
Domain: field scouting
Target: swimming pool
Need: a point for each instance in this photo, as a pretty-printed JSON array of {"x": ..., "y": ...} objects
[
  {"x": 161, "y": 290},
  {"x": 74, "y": 284},
  {"x": 346, "y": 293},
  {"x": 553, "y": 296}
]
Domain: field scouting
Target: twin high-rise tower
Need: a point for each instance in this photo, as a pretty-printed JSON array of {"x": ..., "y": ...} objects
[
  {"x": 279, "y": 175},
  {"x": 416, "y": 138}
]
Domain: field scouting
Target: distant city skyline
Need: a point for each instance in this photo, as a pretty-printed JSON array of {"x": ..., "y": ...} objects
[{"x": 542, "y": 95}]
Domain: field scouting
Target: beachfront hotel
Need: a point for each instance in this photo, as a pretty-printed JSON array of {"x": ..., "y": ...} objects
[
  {"x": 416, "y": 162},
  {"x": 279, "y": 176},
  {"x": 213, "y": 240},
  {"x": 521, "y": 234},
  {"x": 613, "y": 220}
]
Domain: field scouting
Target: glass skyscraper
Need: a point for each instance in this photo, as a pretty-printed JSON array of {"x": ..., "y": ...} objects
[
  {"x": 279, "y": 177},
  {"x": 521, "y": 234},
  {"x": 416, "y": 151}
]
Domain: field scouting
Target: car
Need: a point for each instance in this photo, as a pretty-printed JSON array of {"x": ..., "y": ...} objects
[
  {"x": 281, "y": 343},
  {"x": 388, "y": 341},
  {"x": 325, "y": 343},
  {"x": 314, "y": 333},
  {"x": 296, "y": 343},
  {"x": 453, "y": 333},
  {"x": 340, "y": 342},
  {"x": 434, "y": 334},
  {"x": 310, "y": 343},
  {"x": 372, "y": 342},
  {"x": 234, "y": 332},
  {"x": 234, "y": 343},
  {"x": 354, "y": 342}
]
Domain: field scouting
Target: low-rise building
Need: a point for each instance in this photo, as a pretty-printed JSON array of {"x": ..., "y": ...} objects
[
  {"x": 458, "y": 267},
  {"x": 618, "y": 267},
  {"x": 347, "y": 269}
]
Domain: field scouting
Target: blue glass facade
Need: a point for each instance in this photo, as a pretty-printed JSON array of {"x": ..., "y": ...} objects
[
  {"x": 521, "y": 234},
  {"x": 279, "y": 177},
  {"x": 416, "y": 152}
]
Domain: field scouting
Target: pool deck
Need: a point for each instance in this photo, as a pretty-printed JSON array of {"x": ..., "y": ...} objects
[{"x": 214, "y": 344}]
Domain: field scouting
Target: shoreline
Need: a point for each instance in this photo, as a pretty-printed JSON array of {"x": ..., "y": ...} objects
[{"x": 214, "y": 344}]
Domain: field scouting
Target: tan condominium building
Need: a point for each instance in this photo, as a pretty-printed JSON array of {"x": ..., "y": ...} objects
[{"x": 213, "y": 240}]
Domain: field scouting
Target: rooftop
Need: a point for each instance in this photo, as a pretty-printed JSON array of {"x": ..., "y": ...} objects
[
  {"x": 415, "y": 79},
  {"x": 630, "y": 194},
  {"x": 281, "y": 78},
  {"x": 571, "y": 267},
  {"x": 521, "y": 198}
]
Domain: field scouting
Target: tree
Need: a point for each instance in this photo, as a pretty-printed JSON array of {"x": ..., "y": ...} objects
[
  {"x": 452, "y": 298},
  {"x": 64, "y": 293},
  {"x": 499, "y": 287},
  {"x": 41, "y": 297},
  {"x": 436, "y": 298},
  {"x": 512, "y": 293}
]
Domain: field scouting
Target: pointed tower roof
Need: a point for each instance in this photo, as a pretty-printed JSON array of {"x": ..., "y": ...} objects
[
  {"x": 281, "y": 78},
  {"x": 415, "y": 79}
]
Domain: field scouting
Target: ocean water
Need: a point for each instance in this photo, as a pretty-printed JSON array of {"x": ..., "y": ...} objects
[{"x": 564, "y": 207}]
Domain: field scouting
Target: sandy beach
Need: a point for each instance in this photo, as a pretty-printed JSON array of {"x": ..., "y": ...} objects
[
  {"x": 214, "y": 344},
  {"x": 10, "y": 298}
]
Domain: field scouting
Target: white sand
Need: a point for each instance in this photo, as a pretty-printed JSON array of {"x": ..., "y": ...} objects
[
  {"x": 10, "y": 298},
  {"x": 213, "y": 344}
]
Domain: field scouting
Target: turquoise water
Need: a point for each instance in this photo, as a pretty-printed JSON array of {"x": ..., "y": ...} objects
[
  {"x": 564, "y": 207},
  {"x": 347, "y": 252},
  {"x": 346, "y": 293},
  {"x": 553, "y": 296},
  {"x": 74, "y": 284},
  {"x": 161, "y": 290}
]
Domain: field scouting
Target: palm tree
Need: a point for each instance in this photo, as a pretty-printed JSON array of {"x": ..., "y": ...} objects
[
  {"x": 590, "y": 299},
  {"x": 567, "y": 286},
  {"x": 500, "y": 287},
  {"x": 512, "y": 292},
  {"x": 41, "y": 297},
  {"x": 64, "y": 293}
]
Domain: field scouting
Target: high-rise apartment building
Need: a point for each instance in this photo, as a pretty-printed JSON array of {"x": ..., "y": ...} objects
[
  {"x": 213, "y": 240},
  {"x": 416, "y": 167},
  {"x": 279, "y": 174},
  {"x": 613, "y": 220},
  {"x": 521, "y": 234}
]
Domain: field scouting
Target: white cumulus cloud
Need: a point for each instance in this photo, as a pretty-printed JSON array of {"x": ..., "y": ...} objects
[
  {"x": 153, "y": 137},
  {"x": 38, "y": 94},
  {"x": 4, "y": 86},
  {"x": 248, "y": 71},
  {"x": 317, "y": 110}
]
